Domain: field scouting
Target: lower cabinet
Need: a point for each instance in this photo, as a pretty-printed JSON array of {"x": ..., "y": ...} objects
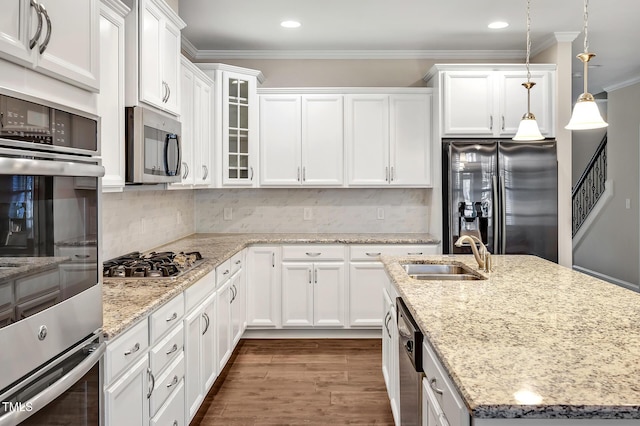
[
  {"x": 238, "y": 306},
  {"x": 172, "y": 412},
  {"x": 366, "y": 281},
  {"x": 263, "y": 287},
  {"x": 126, "y": 400},
  {"x": 223, "y": 325},
  {"x": 390, "y": 367}
]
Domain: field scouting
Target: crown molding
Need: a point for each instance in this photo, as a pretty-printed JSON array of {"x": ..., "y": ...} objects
[
  {"x": 622, "y": 84},
  {"x": 359, "y": 54},
  {"x": 117, "y": 6},
  {"x": 485, "y": 67},
  {"x": 208, "y": 66},
  {"x": 170, "y": 13},
  {"x": 342, "y": 90},
  {"x": 188, "y": 47}
]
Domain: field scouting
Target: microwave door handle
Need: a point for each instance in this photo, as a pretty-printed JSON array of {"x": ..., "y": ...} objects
[
  {"x": 56, "y": 389},
  {"x": 171, "y": 136},
  {"x": 30, "y": 167}
]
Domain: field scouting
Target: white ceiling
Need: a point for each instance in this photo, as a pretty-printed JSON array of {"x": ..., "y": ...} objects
[{"x": 418, "y": 27}]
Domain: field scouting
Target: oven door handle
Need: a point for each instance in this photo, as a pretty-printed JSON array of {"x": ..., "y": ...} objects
[
  {"x": 42, "y": 399},
  {"x": 32, "y": 167}
]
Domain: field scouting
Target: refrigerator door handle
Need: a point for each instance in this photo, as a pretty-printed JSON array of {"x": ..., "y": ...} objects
[
  {"x": 496, "y": 209},
  {"x": 503, "y": 211}
]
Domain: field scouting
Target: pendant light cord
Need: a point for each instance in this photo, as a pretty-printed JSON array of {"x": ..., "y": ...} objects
[
  {"x": 586, "y": 26},
  {"x": 528, "y": 39}
]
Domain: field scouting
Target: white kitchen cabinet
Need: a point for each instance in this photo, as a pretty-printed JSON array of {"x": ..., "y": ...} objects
[
  {"x": 388, "y": 139},
  {"x": 153, "y": 55},
  {"x": 235, "y": 124},
  {"x": 126, "y": 402},
  {"x": 301, "y": 140},
  {"x": 390, "y": 353},
  {"x": 366, "y": 281},
  {"x": 110, "y": 100},
  {"x": 172, "y": 412},
  {"x": 58, "y": 38},
  {"x": 223, "y": 324},
  {"x": 313, "y": 286},
  {"x": 238, "y": 306},
  {"x": 479, "y": 100},
  {"x": 195, "y": 117},
  {"x": 263, "y": 287}
]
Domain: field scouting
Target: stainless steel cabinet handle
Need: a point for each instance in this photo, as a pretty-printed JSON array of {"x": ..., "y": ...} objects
[
  {"x": 393, "y": 174},
  {"x": 44, "y": 45},
  {"x": 235, "y": 292},
  {"x": 313, "y": 254},
  {"x": 226, "y": 272},
  {"x": 304, "y": 174},
  {"x": 386, "y": 323},
  {"x": 173, "y": 382},
  {"x": 153, "y": 383},
  {"x": 491, "y": 122},
  {"x": 273, "y": 259},
  {"x": 298, "y": 174},
  {"x": 415, "y": 253},
  {"x": 310, "y": 275},
  {"x": 168, "y": 92},
  {"x": 133, "y": 350},
  {"x": 173, "y": 349},
  {"x": 432, "y": 385},
  {"x": 186, "y": 170},
  {"x": 164, "y": 92},
  {"x": 36, "y": 36},
  {"x": 373, "y": 254},
  {"x": 82, "y": 256},
  {"x": 503, "y": 122},
  {"x": 175, "y": 423},
  {"x": 205, "y": 169},
  {"x": 386, "y": 174},
  {"x": 315, "y": 273},
  {"x": 238, "y": 262},
  {"x": 172, "y": 317},
  {"x": 207, "y": 321},
  {"x": 251, "y": 168}
]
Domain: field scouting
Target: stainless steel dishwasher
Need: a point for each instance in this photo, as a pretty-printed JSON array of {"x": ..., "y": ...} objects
[{"x": 410, "y": 363}]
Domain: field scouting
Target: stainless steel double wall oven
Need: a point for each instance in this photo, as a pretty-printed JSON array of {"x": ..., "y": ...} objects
[{"x": 50, "y": 285}]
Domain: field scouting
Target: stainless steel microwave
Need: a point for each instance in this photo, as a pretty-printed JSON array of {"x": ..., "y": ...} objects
[{"x": 153, "y": 147}]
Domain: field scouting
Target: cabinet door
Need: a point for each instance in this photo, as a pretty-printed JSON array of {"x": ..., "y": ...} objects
[
  {"x": 394, "y": 366},
  {"x": 126, "y": 400},
  {"x": 329, "y": 294},
  {"x": 208, "y": 367},
  {"x": 152, "y": 89},
  {"x": 204, "y": 142},
  {"x": 239, "y": 125},
  {"x": 410, "y": 143},
  {"x": 111, "y": 99},
  {"x": 263, "y": 286},
  {"x": 386, "y": 342},
  {"x": 223, "y": 325},
  {"x": 69, "y": 44},
  {"x": 18, "y": 26},
  {"x": 280, "y": 130},
  {"x": 187, "y": 132},
  {"x": 170, "y": 57},
  {"x": 238, "y": 310},
  {"x": 468, "y": 103},
  {"x": 193, "y": 353},
  {"x": 297, "y": 294},
  {"x": 366, "y": 130},
  {"x": 322, "y": 140},
  {"x": 366, "y": 281},
  {"x": 513, "y": 101}
]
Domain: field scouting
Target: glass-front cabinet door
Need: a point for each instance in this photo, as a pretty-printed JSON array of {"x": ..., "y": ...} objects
[{"x": 239, "y": 134}]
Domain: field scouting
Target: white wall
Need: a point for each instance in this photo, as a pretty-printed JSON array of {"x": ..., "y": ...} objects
[
  {"x": 611, "y": 244},
  {"x": 333, "y": 210},
  {"x": 124, "y": 212}
]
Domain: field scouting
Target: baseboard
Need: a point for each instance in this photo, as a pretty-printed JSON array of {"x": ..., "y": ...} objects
[
  {"x": 350, "y": 333},
  {"x": 594, "y": 214},
  {"x": 607, "y": 278}
]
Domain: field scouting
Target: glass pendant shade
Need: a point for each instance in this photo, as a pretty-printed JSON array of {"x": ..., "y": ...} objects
[
  {"x": 586, "y": 115},
  {"x": 528, "y": 129}
]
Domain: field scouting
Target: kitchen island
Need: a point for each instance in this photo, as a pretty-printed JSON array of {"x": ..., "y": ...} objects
[{"x": 534, "y": 340}]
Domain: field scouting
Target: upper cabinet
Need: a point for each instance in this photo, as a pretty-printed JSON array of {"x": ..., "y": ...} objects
[
  {"x": 59, "y": 38},
  {"x": 153, "y": 55},
  {"x": 301, "y": 140},
  {"x": 478, "y": 100},
  {"x": 235, "y": 124},
  {"x": 388, "y": 139}
]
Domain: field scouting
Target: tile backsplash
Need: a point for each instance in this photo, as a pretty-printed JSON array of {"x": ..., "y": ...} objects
[
  {"x": 328, "y": 210},
  {"x": 141, "y": 219}
]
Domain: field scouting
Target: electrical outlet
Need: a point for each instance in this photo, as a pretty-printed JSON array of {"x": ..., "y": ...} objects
[
  {"x": 380, "y": 213},
  {"x": 308, "y": 213},
  {"x": 227, "y": 213}
]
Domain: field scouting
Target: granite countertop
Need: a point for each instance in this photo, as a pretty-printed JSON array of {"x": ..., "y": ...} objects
[
  {"x": 15, "y": 267},
  {"x": 533, "y": 328},
  {"x": 126, "y": 301}
]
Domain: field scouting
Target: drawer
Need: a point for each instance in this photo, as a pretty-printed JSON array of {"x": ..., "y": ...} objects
[
  {"x": 199, "y": 291},
  {"x": 236, "y": 262},
  {"x": 446, "y": 394},
  {"x": 223, "y": 273},
  {"x": 165, "y": 383},
  {"x": 313, "y": 252},
  {"x": 166, "y": 317},
  {"x": 369, "y": 252},
  {"x": 6, "y": 295},
  {"x": 123, "y": 350},
  {"x": 167, "y": 349},
  {"x": 80, "y": 254},
  {"x": 37, "y": 284},
  {"x": 171, "y": 413}
]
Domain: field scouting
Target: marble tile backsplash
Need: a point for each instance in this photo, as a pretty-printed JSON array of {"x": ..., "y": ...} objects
[
  {"x": 332, "y": 210},
  {"x": 140, "y": 219}
]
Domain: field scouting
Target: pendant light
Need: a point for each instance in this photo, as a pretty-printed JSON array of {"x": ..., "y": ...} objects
[
  {"x": 528, "y": 129},
  {"x": 585, "y": 113}
]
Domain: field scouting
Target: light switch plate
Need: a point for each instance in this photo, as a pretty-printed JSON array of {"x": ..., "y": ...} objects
[
  {"x": 227, "y": 213},
  {"x": 380, "y": 213}
]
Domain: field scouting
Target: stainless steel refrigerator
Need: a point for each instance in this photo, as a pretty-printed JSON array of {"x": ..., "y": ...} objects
[{"x": 504, "y": 192}]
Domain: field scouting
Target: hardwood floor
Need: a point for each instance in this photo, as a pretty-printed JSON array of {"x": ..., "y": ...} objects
[{"x": 300, "y": 382}]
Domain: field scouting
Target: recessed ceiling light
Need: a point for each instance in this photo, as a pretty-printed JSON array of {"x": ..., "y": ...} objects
[
  {"x": 290, "y": 24},
  {"x": 498, "y": 25}
]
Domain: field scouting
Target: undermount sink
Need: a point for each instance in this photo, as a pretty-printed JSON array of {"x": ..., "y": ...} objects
[{"x": 442, "y": 272}]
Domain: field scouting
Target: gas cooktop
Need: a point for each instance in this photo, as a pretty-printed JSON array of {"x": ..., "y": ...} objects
[{"x": 151, "y": 265}]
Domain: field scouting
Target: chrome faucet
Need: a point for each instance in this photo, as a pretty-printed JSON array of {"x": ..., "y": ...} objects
[{"x": 483, "y": 257}]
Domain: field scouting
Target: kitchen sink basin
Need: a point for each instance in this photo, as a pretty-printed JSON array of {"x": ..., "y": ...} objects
[{"x": 436, "y": 271}]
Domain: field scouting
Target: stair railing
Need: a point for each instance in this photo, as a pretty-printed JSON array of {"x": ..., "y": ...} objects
[{"x": 590, "y": 186}]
